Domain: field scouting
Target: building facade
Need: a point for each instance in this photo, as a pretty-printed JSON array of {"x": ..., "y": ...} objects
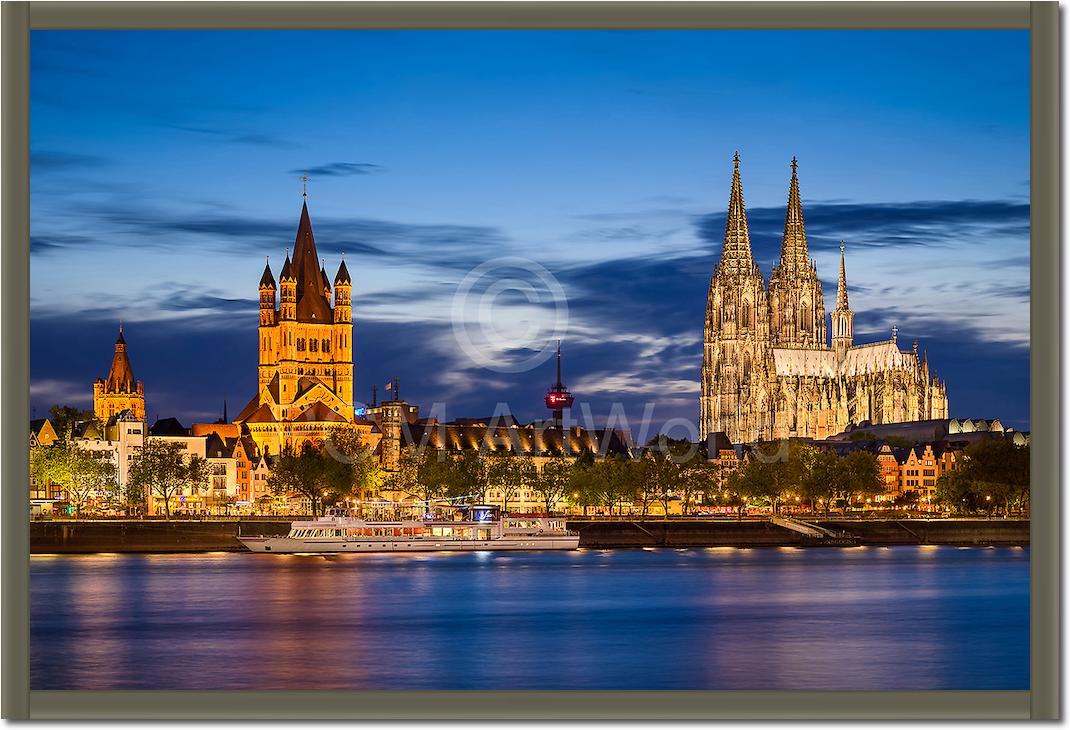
[
  {"x": 305, "y": 372},
  {"x": 772, "y": 370},
  {"x": 120, "y": 392},
  {"x": 915, "y": 469}
]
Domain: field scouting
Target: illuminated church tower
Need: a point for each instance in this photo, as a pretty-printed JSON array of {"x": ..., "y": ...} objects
[
  {"x": 305, "y": 373},
  {"x": 120, "y": 391}
]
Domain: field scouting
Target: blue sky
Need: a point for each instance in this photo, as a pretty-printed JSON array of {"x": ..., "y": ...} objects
[{"x": 166, "y": 165}]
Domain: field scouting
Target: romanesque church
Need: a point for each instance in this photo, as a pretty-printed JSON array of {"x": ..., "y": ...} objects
[
  {"x": 769, "y": 370},
  {"x": 305, "y": 351}
]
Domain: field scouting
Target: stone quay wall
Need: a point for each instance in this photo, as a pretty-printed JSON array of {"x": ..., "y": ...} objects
[{"x": 178, "y": 536}]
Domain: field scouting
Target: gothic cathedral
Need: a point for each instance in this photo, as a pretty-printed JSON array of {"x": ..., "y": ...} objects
[
  {"x": 306, "y": 351},
  {"x": 768, "y": 369}
]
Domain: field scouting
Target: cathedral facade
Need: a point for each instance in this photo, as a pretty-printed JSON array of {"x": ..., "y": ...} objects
[
  {"x": 305, "y": 372},
  {"x": 770, "y": 367}
]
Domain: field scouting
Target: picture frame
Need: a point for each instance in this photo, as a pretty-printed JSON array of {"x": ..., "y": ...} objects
[{"x": 1041, "y": 702}]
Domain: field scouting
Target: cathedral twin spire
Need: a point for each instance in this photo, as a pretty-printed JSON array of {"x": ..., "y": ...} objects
[
  {"x": 797, "y": 312},
  {"x": 736, "y": 251},
  {"x": 736, "y": 254},
  {"x": 793, "y": 253}
]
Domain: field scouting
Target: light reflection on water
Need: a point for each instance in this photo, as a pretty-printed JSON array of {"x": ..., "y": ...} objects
[{"x": 888, "y": 618}]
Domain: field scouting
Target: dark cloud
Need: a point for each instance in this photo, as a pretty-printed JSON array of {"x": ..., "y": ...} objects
[
  {"x": 446, "y": 245},
  {"x": 927, "y": 223},
  {"x": 44, "y": 161},
  {"x": 635, "y": 344},
  {"x": 641, "y": 294},
  {"x": 635, "y": 336},
  {"x": 58, "y": 242},
  {"x": 340, "y": 169}
]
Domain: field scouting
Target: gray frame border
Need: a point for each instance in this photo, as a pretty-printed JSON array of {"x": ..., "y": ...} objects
[{"x": 1041, "y": 702}]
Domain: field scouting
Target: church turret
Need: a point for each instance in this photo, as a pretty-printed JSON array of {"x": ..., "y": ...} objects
[
  {"x": 343, "y": 286},
  {"x": 796, "y": 299},
  {"x": 267, "y": 296},
  {"x": 343, "y": 332},
  {"x": 288, "y": 291},
  {"x": 326, "y": 281},
  {"x": 842, "y": 316}
]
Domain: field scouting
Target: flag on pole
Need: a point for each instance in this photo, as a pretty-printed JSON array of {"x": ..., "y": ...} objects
[{"x": 390, "y": 386}]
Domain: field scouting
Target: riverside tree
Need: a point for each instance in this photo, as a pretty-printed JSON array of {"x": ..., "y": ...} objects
[
  {"x": 81, "y": 473},
  {"x": 698, "y": 478},
  {"x": 509, "y": 474},
  {"x": 858, "y": 477},
  {"x": 753, "y": 479},
  {"x": 64, "y": 418},
  {"x": 163, "y": 469},
  {"x": 819, "y": 481},
  {"x": 325, "y": 472},
  {"x": 991, "y": 474},
  {"x": 552, "y": 481}
]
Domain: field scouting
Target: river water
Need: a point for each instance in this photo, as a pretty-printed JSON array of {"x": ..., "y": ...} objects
[{"x": 719, "y": 618}]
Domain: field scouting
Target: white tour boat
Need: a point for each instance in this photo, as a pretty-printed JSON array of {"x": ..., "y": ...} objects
[{"x": 482, "y": 528}]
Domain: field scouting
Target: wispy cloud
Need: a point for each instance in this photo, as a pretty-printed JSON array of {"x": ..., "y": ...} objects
[
  {"x": 57, "y": 391},
  {"x": 340, "y": 169},
  {"x": 124, "y": 221},
  {"x": 233, "y": 136},
  {"x": 920, "y": 223},
  {"x": 56, "y": 242}
]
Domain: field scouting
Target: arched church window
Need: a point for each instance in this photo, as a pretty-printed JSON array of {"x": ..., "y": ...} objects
[
  {"x": 744, "y": 315},
  {"x": 326, "y": 345},
  {"x": 313, "y": 345},
  {"x": 300, "y": 344}
]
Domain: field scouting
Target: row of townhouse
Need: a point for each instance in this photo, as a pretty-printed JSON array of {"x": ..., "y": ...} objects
[
  {"x": 238, "y": 472},
  {"x": 914, "y": 470}
]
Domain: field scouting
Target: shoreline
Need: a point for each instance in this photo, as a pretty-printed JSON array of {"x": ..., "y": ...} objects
[{"x": 185, "y": 536}]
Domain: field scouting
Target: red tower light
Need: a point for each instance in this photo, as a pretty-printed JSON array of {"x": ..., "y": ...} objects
[{"x": 557, "y": 397}]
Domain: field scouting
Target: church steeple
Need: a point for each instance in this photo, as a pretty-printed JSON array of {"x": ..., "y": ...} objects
[
  {"x": 842, "y": 316},
  {"x": 736, "y": 253},
  {"x": 312, "y": 303},
  {"x": 120, "y": 391},
  {"x": 796, "y": 299},
  {"x": 305, "y": 257},
  {"x": 841, "y": 289},
  {"x": 121, "y": 376},
  {"x": 267, "y": 281},
  {"x": 793, "y": 252}
]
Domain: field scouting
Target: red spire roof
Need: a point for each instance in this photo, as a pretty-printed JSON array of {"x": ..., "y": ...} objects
[
  {"x": 267, "y": 281},
  {"x": 312, "y": 306},
  {"x": 342, "y": 277},
  {"x": 287, "y": 272},
  {"x": 121, "y": 376}
]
